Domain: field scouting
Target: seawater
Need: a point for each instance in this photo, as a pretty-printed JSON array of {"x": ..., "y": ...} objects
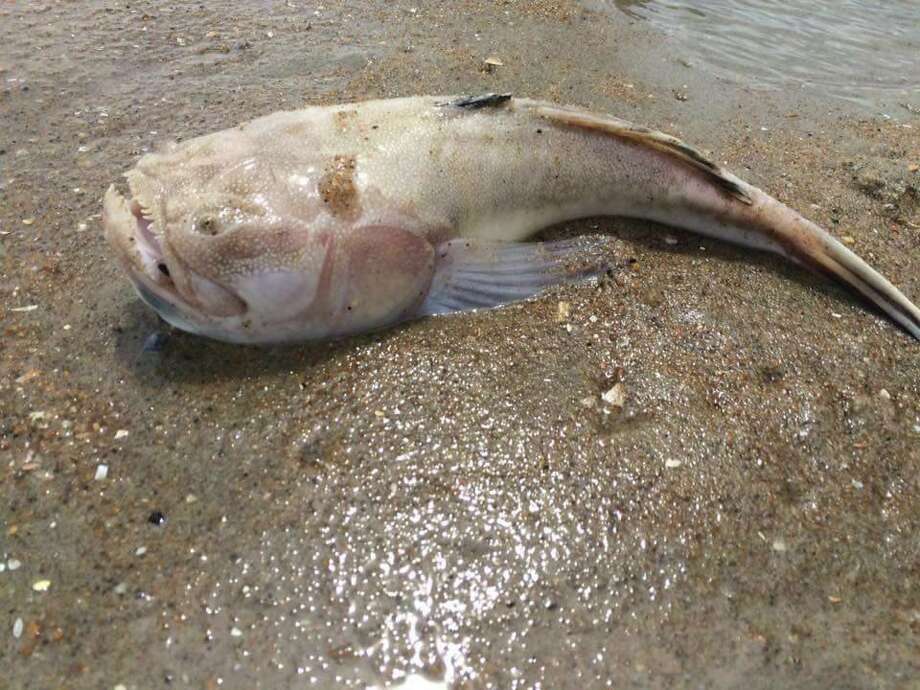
[{"x": 865, "y": 52}]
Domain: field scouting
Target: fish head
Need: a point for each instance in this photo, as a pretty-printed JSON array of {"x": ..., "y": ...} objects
[{"x": 233, "y": 243}]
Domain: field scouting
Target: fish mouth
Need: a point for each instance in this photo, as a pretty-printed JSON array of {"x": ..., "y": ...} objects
[
  {"x": 161, "y": 279},
  {"x": 128, "y": 228}
]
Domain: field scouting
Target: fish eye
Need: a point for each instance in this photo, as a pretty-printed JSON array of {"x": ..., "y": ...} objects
[{"x": 207, "y": 225}]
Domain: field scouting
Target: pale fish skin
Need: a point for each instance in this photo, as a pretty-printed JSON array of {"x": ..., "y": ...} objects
[{"x": 331, "y": 221}]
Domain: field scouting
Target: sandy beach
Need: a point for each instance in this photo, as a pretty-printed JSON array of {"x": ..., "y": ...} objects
[{"x": 455, "y": 498}]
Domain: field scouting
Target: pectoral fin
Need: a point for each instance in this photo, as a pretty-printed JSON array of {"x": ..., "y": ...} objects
[{"x": 472, "y": 274}]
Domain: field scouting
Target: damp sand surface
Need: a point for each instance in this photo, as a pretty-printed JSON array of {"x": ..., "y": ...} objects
[{"x": 701, "y": 472}]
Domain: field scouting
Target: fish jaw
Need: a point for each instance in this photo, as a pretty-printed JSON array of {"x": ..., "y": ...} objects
[
  {"x": 354, "y": 280},
  {"x": 181, "y": 297}
]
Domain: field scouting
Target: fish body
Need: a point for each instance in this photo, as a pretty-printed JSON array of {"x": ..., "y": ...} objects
[{"x": 330, "y": 221}]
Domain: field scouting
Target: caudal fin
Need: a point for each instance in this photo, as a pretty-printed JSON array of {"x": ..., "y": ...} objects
[
  {"x": 729, "y": 208},
  {"x": 810, "y": 245},
  {"x": 835, "y": 259}
]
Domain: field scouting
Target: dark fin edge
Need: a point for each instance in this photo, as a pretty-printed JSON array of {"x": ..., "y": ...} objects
[{"x": 650, "y": 138}]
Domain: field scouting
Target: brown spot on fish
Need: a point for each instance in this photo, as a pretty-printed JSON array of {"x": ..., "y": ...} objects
[
  {"x": 343, "y": 118},
  {"x": 337, "y": 187}
]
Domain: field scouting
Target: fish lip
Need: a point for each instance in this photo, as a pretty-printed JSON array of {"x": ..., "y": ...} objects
[{"x": 131, "y": 228}]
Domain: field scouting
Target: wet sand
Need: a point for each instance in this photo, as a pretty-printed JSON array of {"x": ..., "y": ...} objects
[{"x": 453, "y": 498}]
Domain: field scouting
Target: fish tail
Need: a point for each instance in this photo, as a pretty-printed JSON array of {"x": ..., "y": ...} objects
[
  {"x": 783, "y": 230},
  {"x": 713, "y": 202}
]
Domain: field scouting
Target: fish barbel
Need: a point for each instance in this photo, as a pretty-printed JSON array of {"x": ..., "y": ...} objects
[{"x": 330, "y": 221}]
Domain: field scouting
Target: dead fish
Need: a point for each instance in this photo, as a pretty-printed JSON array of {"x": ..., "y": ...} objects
[{"x": 330, "y": 221}]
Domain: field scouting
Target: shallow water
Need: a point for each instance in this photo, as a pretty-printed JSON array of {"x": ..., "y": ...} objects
[{"x": 866, "y": 52}]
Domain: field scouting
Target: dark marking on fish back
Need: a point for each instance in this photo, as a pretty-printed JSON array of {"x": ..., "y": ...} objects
[
  {"x": 337, "y": 187},
  {"x": 486, "y": 100}
]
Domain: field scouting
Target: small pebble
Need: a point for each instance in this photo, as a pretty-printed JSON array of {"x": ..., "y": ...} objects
[
  {"x": 563, "y": 311},
  {"x": 120, "y": 686},
  {"x": 102, "y": 471},
  {"x": 779, "y": 546},
  {"x": 28, "y": 221},
  {"x": 490, "y": 63},
  {"x": 13, "y": 564},
  {"x": 672, "y": 464},
  {"x": 616, "y": 396},
  {"x": 17, "y": 628},
  {"x": 28, "y": 376},
  {"x": 141, "y": 550},
  {"x": 155, "y": 342},
  {"x": 236, "y": 632},
  {"x": 41, "y": 585},
  {"x": 121, "y": 588},
  {"x": 856, "y": 483},
  {"x": 121, "y": 433},
  {"x": 884, "y": 394}
]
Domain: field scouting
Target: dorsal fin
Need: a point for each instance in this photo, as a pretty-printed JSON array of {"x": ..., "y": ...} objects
[{"x": 650, "y": 138}]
